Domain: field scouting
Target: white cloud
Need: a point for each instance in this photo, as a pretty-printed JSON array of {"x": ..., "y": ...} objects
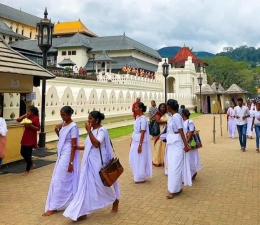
[{"x": 205, "y": 25}]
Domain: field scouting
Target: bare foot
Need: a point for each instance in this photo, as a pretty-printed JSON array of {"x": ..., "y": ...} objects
[
  {"x": 82, "y": 217},
  {"x": 32, "y": 166},
  {"x": 115, "y": 206},
  {"x": 170, "y": 196},
  {"x": 49, "y": 213},
  {"x": 26, "y": 173}
]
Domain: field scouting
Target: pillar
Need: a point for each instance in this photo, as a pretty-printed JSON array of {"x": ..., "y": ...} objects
[
  {"x": 110, "y": 67},
  {"x": 96, "y": 67},
  {"x": 105, "y": 67}
]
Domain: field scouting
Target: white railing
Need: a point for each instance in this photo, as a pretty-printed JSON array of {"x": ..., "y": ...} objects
[{"x": 128, "y": 79}]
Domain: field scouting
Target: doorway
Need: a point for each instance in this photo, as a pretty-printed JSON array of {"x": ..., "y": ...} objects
[
  {"x": 208, "y": 104},
  {"x": 2, "y": 103}
]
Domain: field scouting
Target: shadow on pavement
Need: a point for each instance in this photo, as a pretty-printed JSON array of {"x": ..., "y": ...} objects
[{"x": 19, "y": 167}]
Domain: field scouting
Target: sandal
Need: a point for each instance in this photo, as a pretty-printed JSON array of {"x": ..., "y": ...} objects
[{"x": 257, "y": 150}]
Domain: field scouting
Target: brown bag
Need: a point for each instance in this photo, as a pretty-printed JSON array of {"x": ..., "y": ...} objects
[{"x": 110, "y": 173}]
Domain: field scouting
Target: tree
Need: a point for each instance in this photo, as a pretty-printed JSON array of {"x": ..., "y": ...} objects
[{"x": 227, "y": 71}]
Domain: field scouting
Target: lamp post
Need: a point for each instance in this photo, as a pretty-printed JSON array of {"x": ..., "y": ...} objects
[
  {"x": 92, "y": 58},
  {"x": 165, "y": 67},
  {"x": 200, "y": 84},
  {"x": 45, "y": 30}
]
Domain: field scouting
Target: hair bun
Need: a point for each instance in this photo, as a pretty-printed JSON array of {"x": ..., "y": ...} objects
[
  {"x": 102, "y": 116},
  {"x": 72, "y": 111}
]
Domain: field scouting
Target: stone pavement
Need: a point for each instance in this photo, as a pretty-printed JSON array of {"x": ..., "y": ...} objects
[{"x": 226, "y": 190}]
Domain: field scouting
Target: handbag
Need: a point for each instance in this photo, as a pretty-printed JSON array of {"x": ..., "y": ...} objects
[
  {"x": 154, "y": 129},
  {"x": 110, "y": 173},
  {"x": 195, "y": 141}
]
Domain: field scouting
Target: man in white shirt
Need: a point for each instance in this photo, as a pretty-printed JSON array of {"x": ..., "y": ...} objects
[{"x": 241, "y": 113}]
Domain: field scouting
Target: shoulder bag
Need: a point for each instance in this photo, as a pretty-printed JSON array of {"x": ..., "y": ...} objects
[
  {"x": 195, "y": 141},
  {"x": 110, "y": 173}
]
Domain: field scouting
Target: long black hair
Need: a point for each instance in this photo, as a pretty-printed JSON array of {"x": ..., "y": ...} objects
[{"x": 34, "y": 110}]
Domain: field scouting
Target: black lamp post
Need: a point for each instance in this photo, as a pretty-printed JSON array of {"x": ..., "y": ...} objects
[
  {"x": 165, "y": 67},
  {"x": 93, "y": 59},
  {"x": 200, "y": 84},
  {"x": 45, "y": 30}
]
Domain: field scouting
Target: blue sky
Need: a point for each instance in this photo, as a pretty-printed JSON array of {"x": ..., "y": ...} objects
[{"x": 204, "y": 25}]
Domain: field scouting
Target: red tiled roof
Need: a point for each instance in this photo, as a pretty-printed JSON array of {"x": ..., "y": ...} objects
[{"x": 182, "y": 56}]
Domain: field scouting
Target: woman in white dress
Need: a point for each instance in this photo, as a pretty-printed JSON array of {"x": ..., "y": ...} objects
[
  {"x": 176, "y": 147},
  {"x": 92, "y": 194},
  {"x": 249, "y": 132},
  {"x": 65, "y": 175},
  {"x": 189, "y": 128},
  {"x": 140, "y": 157},
  {"x": 232, "y": 127},
  {"x": 256, "y": 124}
]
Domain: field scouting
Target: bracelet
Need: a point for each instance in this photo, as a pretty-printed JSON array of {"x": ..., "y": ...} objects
[
  {"x": 140, "y": 144},
  {"x": 89, "y": 131},
  {"x": 71, "y": 163}
]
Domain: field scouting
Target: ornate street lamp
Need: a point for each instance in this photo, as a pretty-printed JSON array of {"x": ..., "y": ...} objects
[
  {"x": 93, "y": 60},
  {"x": 165, "y": 67},
  {"x": 45, "y": 30},
  {"x": 200, "y": 84}
]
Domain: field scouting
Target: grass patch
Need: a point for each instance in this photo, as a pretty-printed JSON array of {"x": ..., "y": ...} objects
[
  {"x": 126, "y": 130},
  {"x": 117, "y": 132},
  {"x": 193, "y": 115}
]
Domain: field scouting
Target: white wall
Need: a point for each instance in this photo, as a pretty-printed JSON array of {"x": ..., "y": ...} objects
[
  {"x": 80, "y": 58},
  {"x": 186, "y": 79},
  {"x": 114, "y": 100}
]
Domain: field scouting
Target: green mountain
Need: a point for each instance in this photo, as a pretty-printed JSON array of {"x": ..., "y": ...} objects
[{"x": 169, "y": 52}]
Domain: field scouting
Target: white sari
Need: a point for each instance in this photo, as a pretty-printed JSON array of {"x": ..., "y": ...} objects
[
  {"x": 92, "y": 194},
  {"x": 177, "y": 160},
  {"x": 194, "y": 159},
  {"x": 64, "y": 184},
  {"x": 141, "y": 164}
]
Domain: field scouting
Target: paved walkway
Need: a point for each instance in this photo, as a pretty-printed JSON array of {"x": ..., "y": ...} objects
[{"x": 226, "y": 191}]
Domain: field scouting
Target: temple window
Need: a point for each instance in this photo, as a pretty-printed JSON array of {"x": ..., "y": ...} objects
[
  {"x": 10, "y": 38},
  {"x": 3, "y": 37},
  {"x": 73, "y": 52},
  {"x": 22, "y": 31},
  {"x": 16, "y": 39},
  {"x": 30, "y": 34},
  {"x": 16, "y": 30},
  {"x": 63, "y": 53},
  {"x": 69, "y": 52}
]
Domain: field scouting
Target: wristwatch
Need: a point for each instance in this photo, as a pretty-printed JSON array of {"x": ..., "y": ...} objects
[{"x": 71, "y": 163}]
